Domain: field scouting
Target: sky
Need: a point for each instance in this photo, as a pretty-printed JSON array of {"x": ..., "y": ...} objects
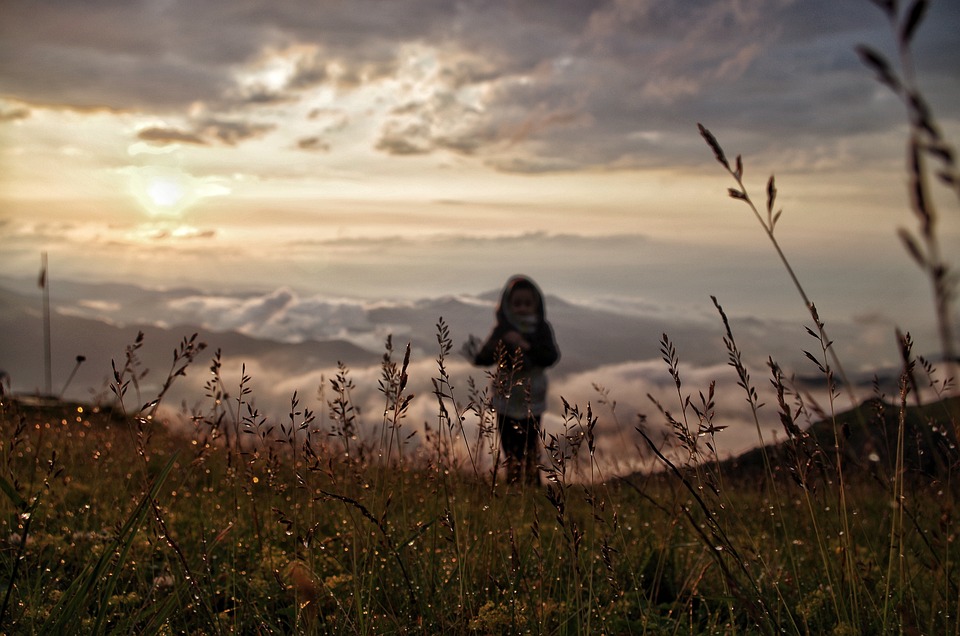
[{"x": 372, "y": 151}]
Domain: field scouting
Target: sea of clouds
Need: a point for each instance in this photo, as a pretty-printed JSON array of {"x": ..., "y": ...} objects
[{"x": 291, "y": 345}]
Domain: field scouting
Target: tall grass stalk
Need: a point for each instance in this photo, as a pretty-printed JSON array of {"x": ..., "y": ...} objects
[
  {"x": 926, "y": 145},
  {"x": 769, "y": 222},
  {"x": 896, "y": 580}
]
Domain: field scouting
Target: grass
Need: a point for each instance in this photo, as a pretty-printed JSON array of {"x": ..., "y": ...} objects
[
  {"x": 112, "y": 523},
  {"x": 181, "y": 536}
]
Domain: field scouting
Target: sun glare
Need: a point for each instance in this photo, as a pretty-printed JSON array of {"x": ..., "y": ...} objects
[
  {"x": 163, "y": 192},
  {"x": 162, "y": 188}
]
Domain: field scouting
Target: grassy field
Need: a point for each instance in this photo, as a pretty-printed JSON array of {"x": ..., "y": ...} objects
[
  {"x": 326, "y": 524},
  {"x": 111, "y": 524}
]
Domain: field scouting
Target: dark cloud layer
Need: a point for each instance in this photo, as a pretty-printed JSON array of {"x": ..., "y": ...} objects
[{"x": 573, "y": 85}]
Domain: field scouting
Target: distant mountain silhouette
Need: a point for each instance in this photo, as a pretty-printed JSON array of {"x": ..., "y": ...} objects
[{"x": 99, "y": 342}]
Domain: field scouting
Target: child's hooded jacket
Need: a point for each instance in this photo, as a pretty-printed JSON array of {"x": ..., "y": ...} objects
[{"x": 523, "y": 392}]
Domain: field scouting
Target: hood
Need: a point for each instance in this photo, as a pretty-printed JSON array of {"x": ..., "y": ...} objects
[{"x": 504, "y": 316}]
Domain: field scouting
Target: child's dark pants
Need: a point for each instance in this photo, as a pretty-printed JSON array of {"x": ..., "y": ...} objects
[{"x": 518, "y": 441}]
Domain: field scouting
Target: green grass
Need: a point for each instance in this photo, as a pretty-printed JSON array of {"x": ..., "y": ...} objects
[{"x": 116, "y": 525}]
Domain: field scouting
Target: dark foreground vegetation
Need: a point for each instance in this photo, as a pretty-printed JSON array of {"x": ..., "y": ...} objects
[
  {"x": 122, "y": 527},
  {"x": 322, "y": 523}
]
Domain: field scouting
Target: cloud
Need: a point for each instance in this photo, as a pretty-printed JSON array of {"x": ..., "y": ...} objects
[
  {"x": 233, "y": 132},
  {"x": 165, "y": 136},
  {"x": 315, "y": 144},
  {"x": 409, "y": 138},
  {"x": 536, "y": 165},
  {"x": 13, "y": 114},
  {"x": 309, "y": 71},
  {"x": 570, "y": 82},
  {"x": 281, "y": 315},
  {"x": 624, "y": 395},
  {"x": 206, "y": 132},
  {"x": 263, "y": 96}
]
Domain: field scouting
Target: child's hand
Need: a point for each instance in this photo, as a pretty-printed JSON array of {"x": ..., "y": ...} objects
[
  {"x": 471, "y": 347},
  {"x": 513, "y": 339}
]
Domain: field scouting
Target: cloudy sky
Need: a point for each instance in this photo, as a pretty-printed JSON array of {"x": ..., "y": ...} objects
[
  {"x": 406, "y": 149},
  {"x": 360, "y": 146}
]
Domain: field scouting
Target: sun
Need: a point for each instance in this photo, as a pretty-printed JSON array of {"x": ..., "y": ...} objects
[{"x": 163, "y": 192}]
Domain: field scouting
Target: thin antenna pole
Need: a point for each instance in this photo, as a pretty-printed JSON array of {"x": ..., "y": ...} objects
[{"x": 44, "y": 285}]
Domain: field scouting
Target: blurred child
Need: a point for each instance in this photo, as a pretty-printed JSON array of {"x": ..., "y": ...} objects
[{"x": 522, "y": 333}]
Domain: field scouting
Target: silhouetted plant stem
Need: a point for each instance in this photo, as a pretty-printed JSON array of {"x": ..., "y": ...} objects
[
  {"x": 79, "y": 360},
  {"x": 717, "y": 540},
  {"x": 24, "y": 514},
  {"x": 926, "y": 143},
  {"x": 769, "y": 224}
]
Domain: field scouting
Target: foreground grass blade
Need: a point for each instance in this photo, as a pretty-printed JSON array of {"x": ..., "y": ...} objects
[{"x": 97, "y": 582}]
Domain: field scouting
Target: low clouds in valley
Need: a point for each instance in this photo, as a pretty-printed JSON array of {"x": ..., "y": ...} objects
[{"x": 290, "y": 345}]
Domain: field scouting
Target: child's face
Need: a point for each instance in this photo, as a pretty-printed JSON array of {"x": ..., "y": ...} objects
[{"x": 524, "y": 303}]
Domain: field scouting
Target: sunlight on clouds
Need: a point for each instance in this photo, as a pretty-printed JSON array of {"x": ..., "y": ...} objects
[
  {"x": 272, "y": 73},
  {"x": 165, "y": 231}
]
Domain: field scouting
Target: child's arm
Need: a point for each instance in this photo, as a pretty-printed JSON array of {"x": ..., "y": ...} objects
[
  {"x": 539, "y": 348},
  {"x": 513, "y": 339},
  {"x": 471, "y": 348},
  {"x": 487, "y": 354},
  {"x": 543, "y": 351}
]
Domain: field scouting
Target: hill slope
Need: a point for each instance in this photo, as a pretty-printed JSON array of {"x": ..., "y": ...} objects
[{"x": 868, "y": 439}]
